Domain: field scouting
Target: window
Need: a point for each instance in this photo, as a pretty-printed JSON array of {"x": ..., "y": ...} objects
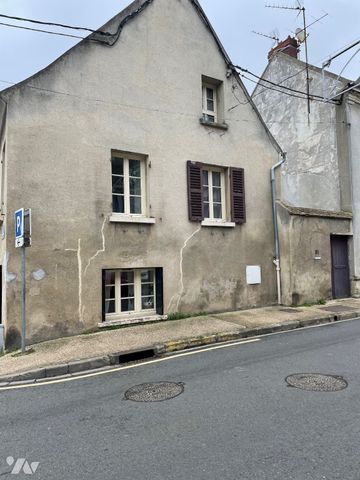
[
  {"x": 213, "y": 103},
  {"x": 128, "y": 184},
  {"x": 209, "y": 103},
  {"x": 133, "y": 292},
  {"x": 213, "y": 194},
  {"x": 216, "y": 195}
]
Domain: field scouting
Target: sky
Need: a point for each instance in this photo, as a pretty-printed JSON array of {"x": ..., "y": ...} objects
[{"x": 22, "y": 53}]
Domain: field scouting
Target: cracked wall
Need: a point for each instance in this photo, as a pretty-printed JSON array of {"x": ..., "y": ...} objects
[{"x": 151, "y": 107}]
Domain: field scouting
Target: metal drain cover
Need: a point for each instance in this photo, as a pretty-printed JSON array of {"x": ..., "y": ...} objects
[
  {"x": 154, "y": 392},
  {"x": 316, "y": 382}
]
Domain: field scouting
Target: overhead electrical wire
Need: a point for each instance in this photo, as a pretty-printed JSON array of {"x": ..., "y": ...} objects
[
  {"x": 42, "y": 31},
  {"x": 52, "y": 24},
  {"x": 275, "y": 84},
  {"x": 321, "y": 99}
]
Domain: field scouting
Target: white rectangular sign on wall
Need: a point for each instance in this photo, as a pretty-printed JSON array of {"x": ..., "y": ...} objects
[{"x": 253, "y": 274}]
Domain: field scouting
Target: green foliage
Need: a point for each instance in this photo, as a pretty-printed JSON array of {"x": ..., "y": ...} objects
[{"x": 321, "y": 301}]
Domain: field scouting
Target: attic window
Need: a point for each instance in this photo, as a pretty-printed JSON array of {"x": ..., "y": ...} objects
[
  {"x": 212, "y": 103},
  {"x": 209, "y": 103}
]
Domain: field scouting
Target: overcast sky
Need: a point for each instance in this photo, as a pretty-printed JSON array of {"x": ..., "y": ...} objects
[{"x": 23, "y": 53}]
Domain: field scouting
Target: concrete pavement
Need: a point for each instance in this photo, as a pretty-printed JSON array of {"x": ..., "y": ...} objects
[
  {"x": 84, "y": 352},
  {"x": 236, "y": 419}
]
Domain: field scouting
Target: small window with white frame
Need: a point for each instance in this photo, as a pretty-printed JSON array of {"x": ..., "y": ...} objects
[
  {"x": 214, "y": 198},
  {"x": 209, "y": 103},
  {"x": 128, "y": 184},
  {"x": 130, "y": 292}
]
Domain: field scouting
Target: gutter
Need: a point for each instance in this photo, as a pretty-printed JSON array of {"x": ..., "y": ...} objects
[{"x": 276, "y": 260}]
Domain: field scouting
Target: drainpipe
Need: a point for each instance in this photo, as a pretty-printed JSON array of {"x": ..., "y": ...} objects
[{"x": 276, "y": 229}]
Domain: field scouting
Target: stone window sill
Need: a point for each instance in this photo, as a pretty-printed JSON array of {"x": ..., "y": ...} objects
[
  {"x": 119, "y": 218},
  {"x": 133, "y": 320},
  {"x": 221, "y": 126},
  {"x": 214, "y": 223}
]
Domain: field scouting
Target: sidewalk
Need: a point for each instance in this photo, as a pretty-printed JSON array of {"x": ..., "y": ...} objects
[{"x": 168, "y": 336}]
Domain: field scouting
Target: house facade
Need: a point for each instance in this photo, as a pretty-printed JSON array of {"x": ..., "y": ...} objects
[
  {"x": 150, "y": 193},
  {"x": 318, "y": 206}
]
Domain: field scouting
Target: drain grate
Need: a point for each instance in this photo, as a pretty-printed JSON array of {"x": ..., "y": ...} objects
[
  {"x": 316, "y": 382},
  {"x": 154, "y": 392}
]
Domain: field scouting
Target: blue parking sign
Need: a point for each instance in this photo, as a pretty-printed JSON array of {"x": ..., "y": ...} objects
[{"x": 19, "y": 227}]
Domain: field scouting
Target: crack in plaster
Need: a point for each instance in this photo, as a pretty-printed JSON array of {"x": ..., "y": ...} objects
[
  {"x": 78, "y": 254},
  {"x": 179, "y": 295},
  {"x": 102, "y": 250}
]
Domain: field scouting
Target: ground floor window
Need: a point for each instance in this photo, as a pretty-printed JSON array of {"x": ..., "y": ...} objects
[{"x": 132, "y": 292}]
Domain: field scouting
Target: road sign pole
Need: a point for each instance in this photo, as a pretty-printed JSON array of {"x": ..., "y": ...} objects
[{"x": 23, "y": 299}]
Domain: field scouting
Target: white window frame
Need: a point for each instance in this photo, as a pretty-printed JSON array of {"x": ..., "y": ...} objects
[
  {"x": 138, "y": 311},
  {"x": 210, "y": 170},
  {"x": 126, "y": 159},
  {"x": 206, "y": 112}
]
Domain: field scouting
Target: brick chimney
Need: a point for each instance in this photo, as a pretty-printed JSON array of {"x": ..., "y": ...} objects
[{"x": 289, "y": 46}]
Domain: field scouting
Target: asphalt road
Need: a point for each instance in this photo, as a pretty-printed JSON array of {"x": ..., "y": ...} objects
[{"x": 236, "y": 419}]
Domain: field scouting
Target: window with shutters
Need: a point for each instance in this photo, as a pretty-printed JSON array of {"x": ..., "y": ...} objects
[
  {"x": 128, "y": 177},
  {"x": 132, "y": 293},
  {"x": 216, "y": 195},
  {"x": 213, "y": 189}
]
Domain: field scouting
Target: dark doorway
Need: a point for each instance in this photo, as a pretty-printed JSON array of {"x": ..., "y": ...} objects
[{"x": 340, "y": 267}]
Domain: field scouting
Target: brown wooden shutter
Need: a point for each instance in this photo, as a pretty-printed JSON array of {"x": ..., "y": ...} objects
[
  {"x": 237, "y": 190},
  {"x": 195, "y": 196}
]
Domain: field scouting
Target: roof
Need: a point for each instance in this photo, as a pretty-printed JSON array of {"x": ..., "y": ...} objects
[
  {"x": 314, "y": 212},
  {"x": 125, "y": 16}
]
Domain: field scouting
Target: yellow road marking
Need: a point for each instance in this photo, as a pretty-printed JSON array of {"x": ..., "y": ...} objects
[{"x": 128, "y": 367}]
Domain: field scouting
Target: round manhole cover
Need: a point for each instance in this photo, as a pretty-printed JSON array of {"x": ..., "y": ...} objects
[
  {"x": 154, "y": 392},
  {"x": 316, "y": 382}
]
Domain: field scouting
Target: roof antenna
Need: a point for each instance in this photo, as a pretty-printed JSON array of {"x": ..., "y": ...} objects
[
  {"x": 274, "y": 35},
  {"x": 301, "y": 36}
]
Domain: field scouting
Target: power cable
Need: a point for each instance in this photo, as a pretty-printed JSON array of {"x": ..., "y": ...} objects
[
  {"x": 42, "y": 31},
  {"x": 286, "y": 93},
  {"x": 275, "y": 84},
  {"x": 92, "y": 99},
  {"x": 52, "y": 24}
]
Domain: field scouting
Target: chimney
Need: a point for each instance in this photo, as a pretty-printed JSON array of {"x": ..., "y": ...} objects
[{"x": 289, "y": 46}]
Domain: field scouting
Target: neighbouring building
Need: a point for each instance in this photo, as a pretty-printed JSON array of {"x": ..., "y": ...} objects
[
  {"x": 134, "y": 151},
  {"x": 319, "y": 200}
]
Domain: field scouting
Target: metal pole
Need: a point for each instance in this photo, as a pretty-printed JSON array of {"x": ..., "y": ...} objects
[{"x": 23, "y": 299}]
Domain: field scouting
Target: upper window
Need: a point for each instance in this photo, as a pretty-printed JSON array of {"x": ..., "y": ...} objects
[
  {"x": 209, "y": 103},
  {"x": 213, "y": 103},
  {"x": 128, "y": 184}
]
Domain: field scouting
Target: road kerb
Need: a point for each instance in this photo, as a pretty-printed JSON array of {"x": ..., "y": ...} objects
[{"x": 78, "y": 366}]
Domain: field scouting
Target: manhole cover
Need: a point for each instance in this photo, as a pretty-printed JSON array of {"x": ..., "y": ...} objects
[
  {"x": 154, "y": 392},
  {"x": 316, "y": 382}
]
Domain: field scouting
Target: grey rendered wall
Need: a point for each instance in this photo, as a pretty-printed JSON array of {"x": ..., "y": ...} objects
[
  {"x": 142, "y": 95},
  {"x": 353, "y": 119},
  {"x": 304, "y": 278},
  {"x": 310, "y": 177}
]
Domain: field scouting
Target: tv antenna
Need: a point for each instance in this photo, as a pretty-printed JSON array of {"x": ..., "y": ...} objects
[
  {"x": 272, "y": 36},
  {"x": 301, "y": 36}
]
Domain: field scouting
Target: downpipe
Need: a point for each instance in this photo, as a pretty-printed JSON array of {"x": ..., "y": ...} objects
[{"x": 276, "y": 260}]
